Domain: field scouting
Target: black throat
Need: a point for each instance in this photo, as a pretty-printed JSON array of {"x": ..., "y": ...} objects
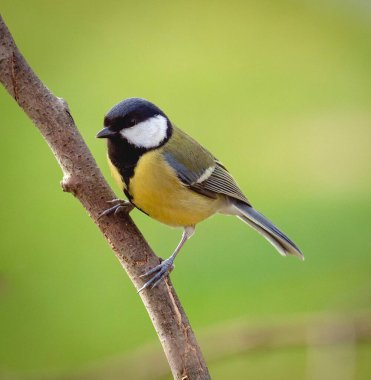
[{"x": 125, "y": 156}]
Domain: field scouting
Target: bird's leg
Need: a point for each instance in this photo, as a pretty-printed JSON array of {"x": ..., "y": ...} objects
[
  {"x": 120, "y": 205},
  {"x": 160, "y": 271}
]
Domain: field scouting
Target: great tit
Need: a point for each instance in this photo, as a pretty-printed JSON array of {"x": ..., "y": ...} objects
[{"x": 172, "y": 178}]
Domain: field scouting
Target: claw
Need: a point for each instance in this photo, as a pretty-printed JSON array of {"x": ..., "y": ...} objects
[
  {"x": 151, "y": 271},
  {"x": 156, "y": 283},
  {"x": 121, "y": 206},
  {"x": 117, "y": 200},
  {"x": 161, "y": 271}
]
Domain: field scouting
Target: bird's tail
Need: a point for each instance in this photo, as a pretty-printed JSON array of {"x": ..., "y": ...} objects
[{"x": 266, "y": 228}]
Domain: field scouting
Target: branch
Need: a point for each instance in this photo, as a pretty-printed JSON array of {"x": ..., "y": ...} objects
[{"x": 84, "y": 180}]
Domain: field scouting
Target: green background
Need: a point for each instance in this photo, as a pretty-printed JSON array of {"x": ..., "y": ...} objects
[{"x": 279, "y": 91}]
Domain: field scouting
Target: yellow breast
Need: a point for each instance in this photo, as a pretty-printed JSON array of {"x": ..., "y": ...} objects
[
  {"x": 116, "y": 175},
  {"x": 156, "y": 190}
]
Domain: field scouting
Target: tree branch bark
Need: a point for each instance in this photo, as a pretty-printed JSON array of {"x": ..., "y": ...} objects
[{"x": 84, "y": 180}]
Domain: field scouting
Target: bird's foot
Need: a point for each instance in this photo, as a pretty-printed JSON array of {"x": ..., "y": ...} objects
[
  {"x": 159, "y": 272},
  {"x": 120, "y": 205}
]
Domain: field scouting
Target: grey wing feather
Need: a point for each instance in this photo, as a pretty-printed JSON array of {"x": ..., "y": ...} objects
[
  {"x": 189, "y": 162},
  {"x": 221, "y": 182},
  {"x": 199, "y": 169},
  {"x": 186, "y": 175}
]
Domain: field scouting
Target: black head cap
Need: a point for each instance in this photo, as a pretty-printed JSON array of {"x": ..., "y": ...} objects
[{"x": 130, "y": 112}]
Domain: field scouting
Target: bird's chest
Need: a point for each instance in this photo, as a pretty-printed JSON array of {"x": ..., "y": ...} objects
[
  {"x": 153, "y": 186},
  {"x": 156, "y": 190}
]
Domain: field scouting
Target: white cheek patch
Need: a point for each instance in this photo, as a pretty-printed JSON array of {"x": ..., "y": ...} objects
[{"x": 148, "y": 134}]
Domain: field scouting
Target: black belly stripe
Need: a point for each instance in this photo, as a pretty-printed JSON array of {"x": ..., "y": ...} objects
[
  {"x": 126, "y": 174},
  {"x": 130, "y": 197},
  {"x": 125, "y": 157}
]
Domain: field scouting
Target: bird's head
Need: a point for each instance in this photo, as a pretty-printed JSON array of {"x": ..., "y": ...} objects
[{"x": 138, "y": 122}]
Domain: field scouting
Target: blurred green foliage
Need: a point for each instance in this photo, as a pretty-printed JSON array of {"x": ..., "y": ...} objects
[{"x": 280, "y": 91}]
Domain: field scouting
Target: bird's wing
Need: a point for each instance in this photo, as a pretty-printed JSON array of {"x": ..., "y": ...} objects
[
  {"x": 221, "y": 182},
  {"x": 199, "y": 169}
]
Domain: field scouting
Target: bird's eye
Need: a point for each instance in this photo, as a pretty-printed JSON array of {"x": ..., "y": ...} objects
[{"x": 132, "y": 122}]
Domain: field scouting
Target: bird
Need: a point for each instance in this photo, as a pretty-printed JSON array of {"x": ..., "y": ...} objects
[{"x": 172, "y": 178}]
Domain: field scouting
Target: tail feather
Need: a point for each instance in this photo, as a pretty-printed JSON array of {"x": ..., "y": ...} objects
[{"x": 266, "y": 228}]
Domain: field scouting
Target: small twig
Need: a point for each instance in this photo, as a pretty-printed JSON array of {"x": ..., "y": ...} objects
[{"x": 84, "y": 180}]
